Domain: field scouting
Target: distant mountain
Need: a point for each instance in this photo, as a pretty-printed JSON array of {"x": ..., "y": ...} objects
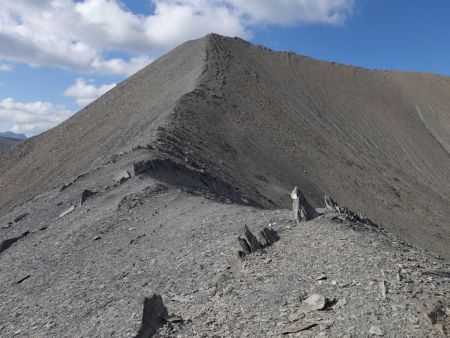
[
  {"x": 6, "y": 143},
  {"x": 10, "y": 134}
]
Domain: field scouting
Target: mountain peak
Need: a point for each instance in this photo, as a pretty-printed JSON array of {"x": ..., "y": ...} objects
[{"x": 258, "y": 122}]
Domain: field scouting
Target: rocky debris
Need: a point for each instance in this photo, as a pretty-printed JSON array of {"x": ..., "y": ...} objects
[
  {"x": 250, "y": 243},
  {"x": 122, "y": 176},
  {"x": 375, "y": 330},
  {"x": 8, "y": 242},
  {"x": 153, "y": 317},
  {"x": 86, "y": 194},
  {"x": 66, "y": 212},
  {"x": 302, "y": 210},
  {"x": 20, "y": 217},
  {"x": 186, "y": 250},
  {"x": 313, "y": 303}
]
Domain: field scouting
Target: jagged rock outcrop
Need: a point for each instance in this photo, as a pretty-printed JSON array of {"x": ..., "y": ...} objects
[{"x": 302, "y": 210}]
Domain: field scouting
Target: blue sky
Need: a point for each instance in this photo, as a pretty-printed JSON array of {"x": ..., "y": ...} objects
[{"x": 56, "y": 56}]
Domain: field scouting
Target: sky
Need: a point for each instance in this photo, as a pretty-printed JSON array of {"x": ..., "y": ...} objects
[{"x": 57, "y": 56}]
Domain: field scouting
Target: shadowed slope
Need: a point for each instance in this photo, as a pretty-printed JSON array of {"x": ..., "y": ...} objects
[
  {"x": 377, "y": 141},
  {"x": 263, "y": 122}
]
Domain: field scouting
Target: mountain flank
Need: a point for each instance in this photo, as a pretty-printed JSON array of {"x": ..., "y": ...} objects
[{"x": 261, "y": 122}]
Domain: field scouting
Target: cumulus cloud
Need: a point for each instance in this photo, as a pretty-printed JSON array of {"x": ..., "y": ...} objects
[
  {"x": 79, "y": 34},
  {"x": 85, "y": 92},
  {"x": 31, "y": 118}
]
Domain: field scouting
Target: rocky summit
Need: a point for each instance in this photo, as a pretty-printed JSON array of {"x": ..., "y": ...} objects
[{"x": 163, "y": 209}]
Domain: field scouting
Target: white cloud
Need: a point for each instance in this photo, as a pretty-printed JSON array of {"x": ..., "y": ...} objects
[
  {"x": 292, "y": 12},
  {"x": 80, "y": 34},
  {"x": 4, "y": 67},
  {"x": 85, "y": 92},
  {"x": 31, "y": 118}
]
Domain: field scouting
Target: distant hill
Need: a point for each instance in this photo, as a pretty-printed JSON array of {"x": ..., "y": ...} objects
[
  {"x": 10, "y": 134},
  {"x": 6, "y": 143}
]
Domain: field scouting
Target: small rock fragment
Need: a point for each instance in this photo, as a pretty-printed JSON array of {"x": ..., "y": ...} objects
[
  {"x": 174, "y": 319},
  {"x": 375, "y": 330},
  {"x": 298, "y": 328},
  {"x": 326, "y": 325},
  {"x": 65, "y": 186},
  {"x": 383, "y": 288},
  {"x": 313, "y": 303},
  {"x": 23, "y": 279},
  {"x": 341, "y": 302},
  {"x": 122, "y": 176},
  {"x": 293, "y": 317},
  {"x": 68, "y": 211},
  {"x": 20, "y": 217},
  {"x": 179, "y": 299}
]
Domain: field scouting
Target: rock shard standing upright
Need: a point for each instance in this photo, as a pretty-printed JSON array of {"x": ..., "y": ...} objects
[{"x": 302, "y": 210}]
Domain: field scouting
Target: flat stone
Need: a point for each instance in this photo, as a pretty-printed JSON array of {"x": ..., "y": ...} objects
[
  {"x": 293, "y": 317},
  {"x": 313, "y": 303},
  {"x": 68, "y": 211},
  {"x": 298, "y": 328}
]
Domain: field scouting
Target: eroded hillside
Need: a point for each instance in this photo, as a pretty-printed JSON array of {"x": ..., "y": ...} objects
[{"x": 261, "y": 122}]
